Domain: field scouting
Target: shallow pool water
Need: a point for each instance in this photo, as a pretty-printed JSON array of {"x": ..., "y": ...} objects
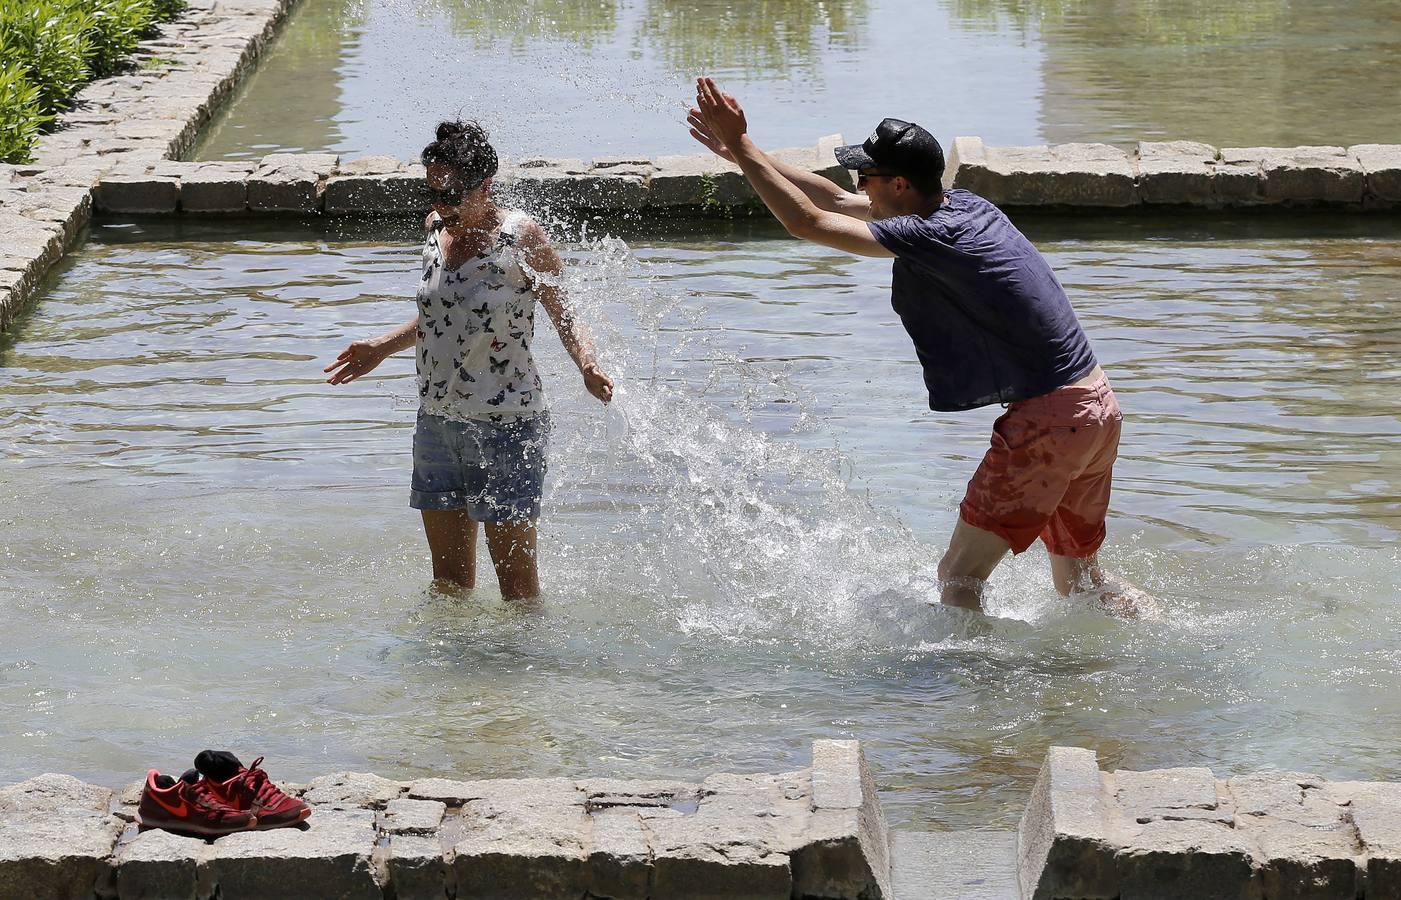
[
  {"x": 591, "y": 78},
  {"x": 204, "y": 545}
]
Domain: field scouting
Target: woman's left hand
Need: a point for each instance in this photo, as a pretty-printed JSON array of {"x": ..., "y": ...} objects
[{"x": 598, "y": 384}]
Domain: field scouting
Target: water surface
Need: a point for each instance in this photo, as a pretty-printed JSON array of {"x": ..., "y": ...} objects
[
  {"x": 204, "y": 545},
  {"x": 590, "y": 78}
]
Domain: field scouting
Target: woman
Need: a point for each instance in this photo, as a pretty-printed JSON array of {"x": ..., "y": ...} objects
[{"x": 482, "y": 424}]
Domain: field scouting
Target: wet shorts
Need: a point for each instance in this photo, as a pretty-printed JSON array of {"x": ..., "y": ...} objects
[
  {"x": 493, "y": 470},
  {"x": 1048, "y": 471}
]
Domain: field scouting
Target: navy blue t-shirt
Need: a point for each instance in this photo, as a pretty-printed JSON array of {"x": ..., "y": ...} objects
[{"x": 990, "y": 322}]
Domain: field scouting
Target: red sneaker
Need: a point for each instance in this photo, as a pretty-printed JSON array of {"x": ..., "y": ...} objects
[
  {"x": 252, "y": 791},
  {"x": 188, "y": 807}
]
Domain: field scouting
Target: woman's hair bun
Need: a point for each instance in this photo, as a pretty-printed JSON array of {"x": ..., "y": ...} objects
[
  {"x": 449, "y": 131},
  {"x": 464, "y": 146}
]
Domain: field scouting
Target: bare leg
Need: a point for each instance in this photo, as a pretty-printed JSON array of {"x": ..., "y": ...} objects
[
  {"x": 512, "y": 546},
  {"x": 963, "y": 572},
  {"x": 452, "y": 540},
  {"x": 1113, "y": 595}
]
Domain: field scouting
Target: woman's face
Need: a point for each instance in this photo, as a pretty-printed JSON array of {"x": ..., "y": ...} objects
[{"x": 450, "y": 200}]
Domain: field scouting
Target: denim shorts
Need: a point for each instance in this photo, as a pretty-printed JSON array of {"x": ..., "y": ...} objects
[{"x": 493, "y": 470}]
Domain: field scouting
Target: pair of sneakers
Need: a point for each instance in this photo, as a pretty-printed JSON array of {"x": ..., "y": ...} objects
[{"x": 218, "y": 796}]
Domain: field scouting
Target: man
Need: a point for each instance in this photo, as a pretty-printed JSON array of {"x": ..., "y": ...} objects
[{"x": 990, "y": 324}]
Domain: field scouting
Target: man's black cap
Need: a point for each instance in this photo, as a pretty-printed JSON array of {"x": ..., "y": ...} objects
[{"x": 901, "y": 146}]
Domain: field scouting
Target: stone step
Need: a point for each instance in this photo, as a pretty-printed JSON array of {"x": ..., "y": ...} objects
[{"x": 954, "y": 865}]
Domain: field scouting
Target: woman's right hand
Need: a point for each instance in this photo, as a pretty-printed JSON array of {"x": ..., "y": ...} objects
[{"x": 356, "y": 360}]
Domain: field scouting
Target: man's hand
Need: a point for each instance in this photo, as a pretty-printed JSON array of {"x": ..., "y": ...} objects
[
  {"x": 701, "y": 132},
  {"x": 598, "y": 384},
  {"x": 358, "y": 359},
  {"x": 720, "y": 113}
]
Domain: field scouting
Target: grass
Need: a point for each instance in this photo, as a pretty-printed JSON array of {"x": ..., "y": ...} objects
[{"x": 50, "y": 48}]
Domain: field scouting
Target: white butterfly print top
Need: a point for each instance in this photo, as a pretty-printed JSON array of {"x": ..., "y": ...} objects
[{"x": 475, "y": 327}]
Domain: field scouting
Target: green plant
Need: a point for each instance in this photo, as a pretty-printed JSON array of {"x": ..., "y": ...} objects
[
  {"x": 49, "y": 48},
  {"x": 50, "y": 40},
  {"x": 21, "y": 115}
]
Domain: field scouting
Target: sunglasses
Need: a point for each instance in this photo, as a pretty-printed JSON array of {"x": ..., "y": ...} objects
[
  {"x": 449, "y": 196},
  {"x": 863, "y": 177}
]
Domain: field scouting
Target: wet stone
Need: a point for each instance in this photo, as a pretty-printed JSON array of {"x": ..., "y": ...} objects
[
  {"x": 137, "y": 194},
  {"x": 1176, "y": 172},
  {"x": 412, "y": 816},
  {"x": 1064, "y": 847},
  {"x": 535, "y": 848}
]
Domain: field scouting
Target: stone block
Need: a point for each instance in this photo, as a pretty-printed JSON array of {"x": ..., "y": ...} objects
[
  {"x": 54, "y": 793},
  {"x": 691, "y": 860},
  {"x": 611, "y": 793},
  {"x": 371, "y": 165},
  {"x": 1162, "y": 793},
  {"x": 1064, "y": 847},
  {"x": 396, "y": 193},
  {"x": 418, "y": 868},
  {"x": 290, "y": 182},
  {"x": 1376, "y": 814},
  {"x": 26, "y": 238},
  {"x": 1169, "y": 860},
  {"x": 520, "y": 791},
  {"x": 412, "y": 816},
  {"x": 550, "y": 188},
  {"x": 284, "y": 192},
  {"x": 528, "y": 844},
  {"x": 1304, "y": 863},
  {"x": 843, "y": 851},
  {"x": 1382, "y": 165},
  {"x": 158, "y": 865},
  {"x": 827, "y": 165},
  {"x": 1176, "y": 172},
  {"x": 48, "y": 854},
  {"x": 1302, "y": 174},
  {"x": 1092, "y": 175},
  {"x": 331, "y": 858},
  {"x": 704, "y": 181},
  {"x": 348, "y": 790},
  {"x": 620, "y": 857},
  {"x": 215, "y": 188},
  {"x": 137, "y": 194}
]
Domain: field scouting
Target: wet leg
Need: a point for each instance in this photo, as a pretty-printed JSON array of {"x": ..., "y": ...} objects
[
  {"x": 512, "y": 546},
  {"x": 963, "y": 572},
  {"x": 452, "y": 541},
  {"x": 1083, "y": 575}
]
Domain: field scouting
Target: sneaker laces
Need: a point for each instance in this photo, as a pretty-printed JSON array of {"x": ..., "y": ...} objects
[
  {"x": 202, "y": 794},
  {"x": 259, "y": 787}
]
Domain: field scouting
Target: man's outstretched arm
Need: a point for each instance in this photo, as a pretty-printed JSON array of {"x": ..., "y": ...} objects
[
  {"x": 724, "y": 120},
  {"x": 823, "y": 192}
]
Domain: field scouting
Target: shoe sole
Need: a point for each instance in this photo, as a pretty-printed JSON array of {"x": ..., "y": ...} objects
[
  {"x": 305, "y": 814},
  {"x": 185, "y": 829}
]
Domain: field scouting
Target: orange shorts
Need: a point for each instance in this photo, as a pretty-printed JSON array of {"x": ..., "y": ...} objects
[{"x": 1048, "y": 471}]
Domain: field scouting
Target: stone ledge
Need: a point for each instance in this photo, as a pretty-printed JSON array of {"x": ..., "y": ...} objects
[
  {"x": 1178, "y": 833},
  {"x": 1178, "y": 173},
  {"x": 817, "y": 832}
]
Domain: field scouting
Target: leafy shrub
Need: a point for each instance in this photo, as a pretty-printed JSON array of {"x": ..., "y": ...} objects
[
  {"x": 50, "y": 48},
  {"x": 21, "y": 115},
  {"x": 50, "y": 40}
]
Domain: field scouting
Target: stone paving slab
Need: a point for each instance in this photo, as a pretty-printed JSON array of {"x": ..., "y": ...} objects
[{"x": 1177, "y": 833}]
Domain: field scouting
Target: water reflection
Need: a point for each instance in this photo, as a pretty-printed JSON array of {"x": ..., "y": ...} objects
[
  {"x": 1254, "y": 72},
  {"x": 762, "y": 39}
]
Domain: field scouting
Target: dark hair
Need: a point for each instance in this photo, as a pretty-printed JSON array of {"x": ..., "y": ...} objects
[
  {"x": 464, "y": 147},
  {"x": 929, "y": 183}
]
